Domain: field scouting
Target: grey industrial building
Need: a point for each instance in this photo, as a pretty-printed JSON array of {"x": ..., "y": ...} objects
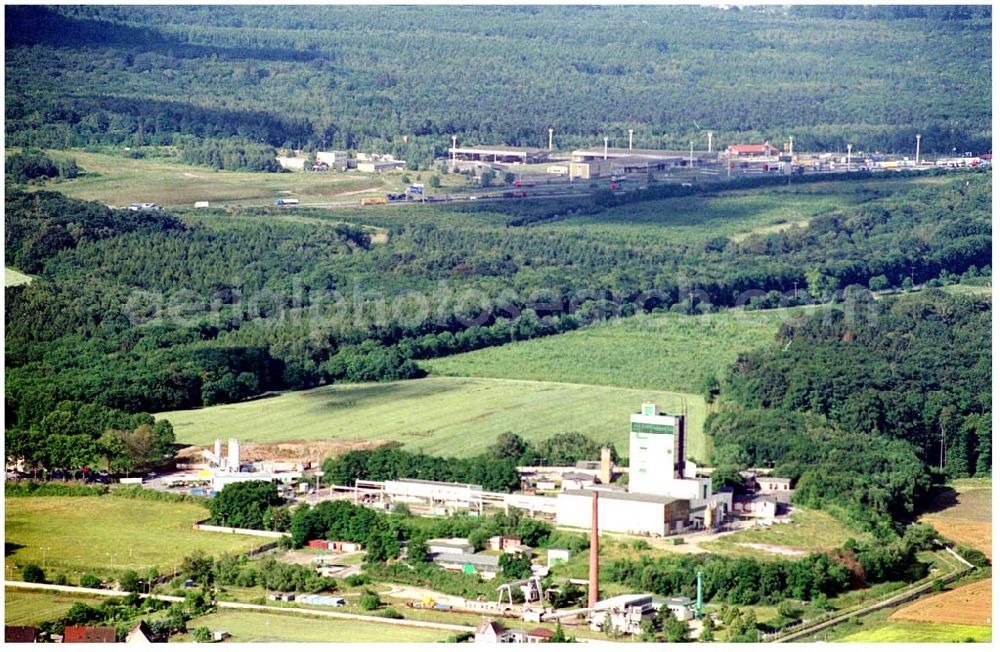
[
  {"x": 623, "y": 511},
  {"x": 499, "y": 154}
]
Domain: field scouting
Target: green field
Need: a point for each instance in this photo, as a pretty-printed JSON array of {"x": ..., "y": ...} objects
[
  {"x": 74, "y": 535},
  {"x": 810, "y": 529},
  {"x": 118, "y": 181},
  {"x": 900, "y": 632},
  {"x": 441, "y": 416},
  {"x": 13, "y": 277},
  {"x": 23, "y": 607},
  {"x": 662, "y": 352},
  {"x": 735, "y": 214},
  {"x": 264, "y": 627}
]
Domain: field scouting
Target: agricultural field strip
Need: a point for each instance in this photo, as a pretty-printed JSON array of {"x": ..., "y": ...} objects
[
  {"x": 448, "y": 410},
  {"x": 908, "y": 632},
  {"x": 242, "y": 605},
  {"x": 969, "y": 604}
]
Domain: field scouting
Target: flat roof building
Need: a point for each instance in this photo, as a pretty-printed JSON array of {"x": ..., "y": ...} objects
[
  {"x": 621, "y": 511},
  {"x": 499, "y": 154},
  {"x": 743, "y": 151}
]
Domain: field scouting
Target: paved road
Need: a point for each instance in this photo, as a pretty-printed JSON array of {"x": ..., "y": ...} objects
[{"x": 251, "y": 607}]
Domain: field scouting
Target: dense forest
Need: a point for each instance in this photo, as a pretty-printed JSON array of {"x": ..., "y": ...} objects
[
  {"x": 907, "y": 381},
  {"x": 407, "y": 78}
]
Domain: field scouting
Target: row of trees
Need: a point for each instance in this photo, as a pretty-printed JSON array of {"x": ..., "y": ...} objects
[
  {"x": 30, "y": 165},
  {"x": 231, "y": 154},
  {"x": 494, "y": 470},
  {"x": 75, "y": 435}
]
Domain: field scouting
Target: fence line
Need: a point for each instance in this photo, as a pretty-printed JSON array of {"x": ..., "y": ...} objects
[{"x": 827, "y": 620}]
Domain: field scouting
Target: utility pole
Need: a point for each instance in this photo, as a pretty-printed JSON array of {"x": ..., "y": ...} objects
[
  {"x": 605, "y": 148},
  {"x": 918, "y": 149},
  {"x": 848, "y": 157},
  {"x": 454, "y": 146},
  {"x": 791, "y": 146},
  {"x": 630, "y": 140},
  {"x": 941, "y": 454},
  {"x": 710, "y": 142},
  {"x": 691, "y": 159},
  {"x": 550, "y": 140}
]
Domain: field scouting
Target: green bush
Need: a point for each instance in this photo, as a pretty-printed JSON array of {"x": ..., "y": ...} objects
[
  {"x": 392, "y": 613},
  {"x": 33, "y": 573},
  {"x": 89, "y": 581},
  {"x": 129, "y": 581},
  {"x": 356, "y": 580},
  {"x": 370, "y": 601}
]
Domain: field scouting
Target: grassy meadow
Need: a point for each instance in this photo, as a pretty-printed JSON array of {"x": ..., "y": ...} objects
[
  {"x": 23, "y": 607},
  {"x": 116, "y": 180},
  {"x": 12, "y": 277},
  {"x": 810, "y": 530},
  {"x": 76, "y": 535},
  {"x": 441, "y": 416},
  {"x": 659, "y": 352},
  {"x": 271, "y": 627},
  {"x": 735, "y": 214}
]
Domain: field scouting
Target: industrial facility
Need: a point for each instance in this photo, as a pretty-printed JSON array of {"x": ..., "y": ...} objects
[
  {"x": 499, "y": 154},
  {"x": 665, "y": 495}
]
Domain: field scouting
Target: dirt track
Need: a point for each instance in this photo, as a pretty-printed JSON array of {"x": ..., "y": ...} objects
[{"x": 296, "y": 449}]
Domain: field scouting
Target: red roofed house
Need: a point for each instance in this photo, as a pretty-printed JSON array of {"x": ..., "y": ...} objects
[
  {"x": 765, "y": 149},
  {"x": 86, "y": 634},
  {"x": 18, "y": 634},
  {"x": 539, "y": 635}
]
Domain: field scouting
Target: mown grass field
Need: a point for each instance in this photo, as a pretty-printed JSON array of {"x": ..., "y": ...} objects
[
  {"x": 963, "y": 512},
  {"x": 900, "y": 632},
  {"x": 270, "y": 627},
  {"x": 116, "y": 180},
  {"x": 441, "y": 416},
  {"x": 76, "y": 535},
  {"x": 662, "y": 352},
  {"x": 971, "y": 604},
  {"x": 23, "y": 607}
]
